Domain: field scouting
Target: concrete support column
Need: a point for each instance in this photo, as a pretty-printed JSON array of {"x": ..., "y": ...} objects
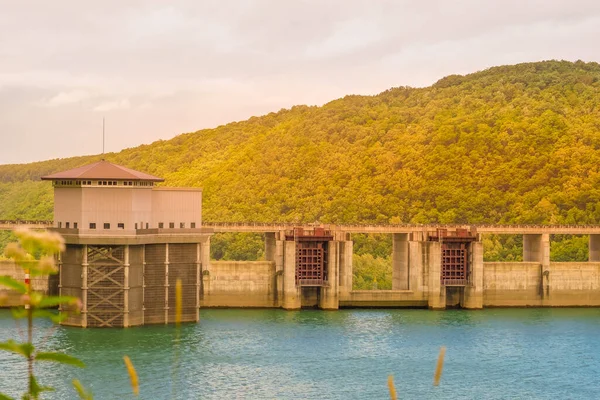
[
  {"x": 143, "y": 284},
  {"x": 546, "y": 273},
  {"x": 279, "y": 257},
  {"x": 536, "y": 248},
  {"x": 594, "y": 255},
  {"x": 437, "y": 292},
  {"x": 345, "y": 274},
  {"x": 205, "y": 268},
  {"x": 329, "y": 297},
  {"x": 473, "y": 293},
  {"x": 198, "y": 278},
  {"x": 415, "y": 258},
  {"x": 270, "y": 246},
  {"x": 126, "y": 286},
  {"x": 291, "y": 292},
  {"x": 400, "y": 266},
  {"x": 166, "y": 283},
  {"x": 84, "y": 286}
]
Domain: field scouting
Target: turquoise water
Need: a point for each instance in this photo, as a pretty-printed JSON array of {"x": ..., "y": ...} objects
[{"x": 275, "y": 354}]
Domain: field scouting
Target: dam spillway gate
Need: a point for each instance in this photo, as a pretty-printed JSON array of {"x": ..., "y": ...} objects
[
  {"x": 312, "y": 256},
  {"x": 456, "y": 256}
]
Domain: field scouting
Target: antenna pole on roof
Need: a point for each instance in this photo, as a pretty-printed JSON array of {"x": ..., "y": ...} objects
[{"x": 102, "y": 135}]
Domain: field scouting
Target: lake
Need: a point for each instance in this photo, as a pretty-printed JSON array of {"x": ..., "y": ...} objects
[{"x": 347, "y": 354}]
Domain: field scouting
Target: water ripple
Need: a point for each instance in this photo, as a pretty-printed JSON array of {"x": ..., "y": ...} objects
[{"x": 274, "y": 354}]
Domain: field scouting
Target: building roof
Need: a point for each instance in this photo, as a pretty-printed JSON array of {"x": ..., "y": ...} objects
[{"x": 103, "y": 170}]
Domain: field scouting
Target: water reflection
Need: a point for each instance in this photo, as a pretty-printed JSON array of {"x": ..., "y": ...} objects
[{"x": 495, "y": 353}]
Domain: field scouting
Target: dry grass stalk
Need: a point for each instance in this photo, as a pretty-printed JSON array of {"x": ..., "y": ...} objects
[
  {"x": 439, "y": 367},
  {"x": 132, "y": 375},
  {"x": 178, "y": 301},
  {"x": 392, "y": 388}
]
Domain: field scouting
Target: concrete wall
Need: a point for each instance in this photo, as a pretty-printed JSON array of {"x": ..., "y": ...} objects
[
  {"x": 526, "y": 284},
  {"x": 574, "y": 284},
  {"x": 512, "y": 284},
  {"x": 177, "y": 206},
  {"x": 12, "y": 298},
  {"x": 68, "y": 207},
  {"x": 240, "y": 284},
  {"x": 136, "y": 207},
  {"x": 113, "y": 205},
  {"x": 383, "y": 298}
]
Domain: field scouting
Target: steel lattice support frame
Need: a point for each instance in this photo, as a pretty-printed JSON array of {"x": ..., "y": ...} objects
[{"x": 106, "y": 298}]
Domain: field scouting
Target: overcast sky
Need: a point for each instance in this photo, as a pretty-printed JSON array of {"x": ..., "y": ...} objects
[{"x": 155, "y": 69}]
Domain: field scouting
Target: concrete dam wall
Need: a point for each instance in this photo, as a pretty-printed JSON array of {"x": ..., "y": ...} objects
[
  {"x": 240, "y": 284},
  {"x": 524, "y": 284},
  {"x": 131, "y": 281}
]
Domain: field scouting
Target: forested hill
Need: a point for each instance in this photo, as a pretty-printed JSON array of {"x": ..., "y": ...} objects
[{"x": 511, "y": 144}]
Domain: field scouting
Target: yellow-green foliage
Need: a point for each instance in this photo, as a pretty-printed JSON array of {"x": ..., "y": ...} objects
[{"x": 512, "y": 144}]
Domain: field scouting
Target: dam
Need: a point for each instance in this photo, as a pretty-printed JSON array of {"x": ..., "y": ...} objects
[{"x": 127, "y": 242}]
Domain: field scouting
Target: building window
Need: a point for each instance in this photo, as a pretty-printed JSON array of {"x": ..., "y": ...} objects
[
  {"x": 121, "y": 225},
  {"x": 182, "y": 225},
  {"x": 160, "y": 225},
  {"x": 67, "y": 225},
  {"x": 59, "y": 224},
  {"x": 136, "y": 225},
  {"x": 106, "y": 225},
  {"x": 146, "y": 225},
  {"x": 193, "y": 225},
  {"x": 75, "y": 225},
  {"x": 109, "y": 183},
  {"x": 89, "y": 182},
  {"x": 171, "y": 225},
  {"x": 92, "y": 225}
]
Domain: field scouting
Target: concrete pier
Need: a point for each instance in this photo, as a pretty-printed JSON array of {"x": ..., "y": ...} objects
[
  {"x": 473, "y": 293},
  {"x": 400, "y": 263},
  {"x": 328, "y": 299},
  {"x": 436, "y": 292},
  {"x": 594, "y": 248},
  {"x": 292, "y": 294}
]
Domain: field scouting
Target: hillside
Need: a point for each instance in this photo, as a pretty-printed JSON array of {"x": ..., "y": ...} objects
[{"x": 511, "y": 144}]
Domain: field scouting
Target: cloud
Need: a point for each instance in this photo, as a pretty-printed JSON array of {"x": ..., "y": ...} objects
[
  {"x": 197, "y": 64},
  {"x": 122, "y": 104},
  {"x": 69, "y": 97}
]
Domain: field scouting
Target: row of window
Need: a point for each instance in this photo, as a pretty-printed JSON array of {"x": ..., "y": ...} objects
[
  {"x": 102, "y": 183},
  {"x": 161, "y": 225},
  {"x": 68, "y": 225}
]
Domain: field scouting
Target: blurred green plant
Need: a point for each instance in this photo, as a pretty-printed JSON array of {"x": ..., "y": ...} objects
[{"x": 34, "y": 253}]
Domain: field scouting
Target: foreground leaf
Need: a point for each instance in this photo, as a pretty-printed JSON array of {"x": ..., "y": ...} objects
[
  {"x": 18, "y": 312},
  {"x": 35, "y": 389},
  {"x": 13, "y": 284},
  {"x": 5, "y": 397},
  {"x": 60, "y": 358},
  {"x": 83, "y": 394},
  {"x": 24, "y": 349}
]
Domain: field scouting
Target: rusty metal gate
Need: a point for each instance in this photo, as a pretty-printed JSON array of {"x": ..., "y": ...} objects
[
  {"x": 456, "y": 257},
  {"x": 455, "y": 264},
  {"x": 311, "y": 256},
  {"x": 311, "y": 263}
]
